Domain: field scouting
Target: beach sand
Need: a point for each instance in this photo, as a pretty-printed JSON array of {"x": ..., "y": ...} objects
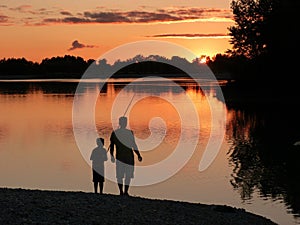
[{"x": 22, "y": 206}]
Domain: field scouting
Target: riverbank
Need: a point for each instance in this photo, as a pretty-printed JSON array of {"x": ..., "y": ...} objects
[{"x": 21, "y": 206}]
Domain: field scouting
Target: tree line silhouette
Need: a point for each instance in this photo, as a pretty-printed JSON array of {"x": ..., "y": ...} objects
[
  {"x": 74, "y": 67},
  {"x": 63, "y": 67}
]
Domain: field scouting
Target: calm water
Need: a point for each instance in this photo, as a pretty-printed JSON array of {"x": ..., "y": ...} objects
[{"x": 256, "y": 168}]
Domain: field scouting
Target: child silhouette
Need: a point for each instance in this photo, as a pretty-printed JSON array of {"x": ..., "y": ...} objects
[{"x": 98, "y": 157}]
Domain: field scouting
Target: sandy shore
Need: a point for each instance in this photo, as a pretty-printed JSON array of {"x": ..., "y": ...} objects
[{"x": 20, "y": 206}]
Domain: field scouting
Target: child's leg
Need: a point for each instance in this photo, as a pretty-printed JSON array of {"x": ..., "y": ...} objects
[
  {"x": 96, "y": 187},
  {"x": 101, "y": 187}
]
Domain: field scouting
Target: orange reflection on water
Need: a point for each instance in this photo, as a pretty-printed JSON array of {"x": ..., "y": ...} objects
[{"x": 38, "y": 143}]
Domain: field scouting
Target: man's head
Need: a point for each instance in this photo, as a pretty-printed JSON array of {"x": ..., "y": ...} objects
[
  {"x": 100, "y": 142},
  {"x": 123, "y": 121}
]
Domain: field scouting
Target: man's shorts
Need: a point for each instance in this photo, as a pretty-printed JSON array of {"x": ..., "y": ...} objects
[{"x": 124, "y": 170}]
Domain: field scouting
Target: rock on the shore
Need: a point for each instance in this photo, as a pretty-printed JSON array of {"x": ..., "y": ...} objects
[{"x": 20, "y": 206}]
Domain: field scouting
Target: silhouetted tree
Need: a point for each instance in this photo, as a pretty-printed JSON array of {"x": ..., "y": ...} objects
[
  {"x": 64, "y": 65},
  {"x": 224, "y": 63},
  {"x": 56, "y": 67},
  {"x": 253, "y": 22},
  {"x": 18, "y": 66},
  {"x": 284, "y": 36},
  {"x": 264, "y": 43},
  {"x": 149, "y": 68}
]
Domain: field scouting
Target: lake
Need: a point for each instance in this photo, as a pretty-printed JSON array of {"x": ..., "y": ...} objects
[{"x": 256, "y": 166}]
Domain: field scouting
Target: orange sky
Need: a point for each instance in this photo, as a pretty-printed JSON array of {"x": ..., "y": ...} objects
[{"x": 37, "y": 29}]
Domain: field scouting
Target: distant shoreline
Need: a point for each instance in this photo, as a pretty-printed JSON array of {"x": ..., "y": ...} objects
[
  {"x": 23, "y": 206},
  {"x": 75, "y": 76}
]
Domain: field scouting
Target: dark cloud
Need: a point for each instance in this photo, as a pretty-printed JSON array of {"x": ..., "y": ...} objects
[
  {"x": 3, "y": 19},
  {"x": 77, "y": 45},
  {"x": 190, "y": 36},
  {"x": 66, "y": 20},
  {"x": 106, "y": 17},
  {"x": 142, "y": 16},
  {"x": 146, "y": 17},
  {"x": 66, "y": 13}
]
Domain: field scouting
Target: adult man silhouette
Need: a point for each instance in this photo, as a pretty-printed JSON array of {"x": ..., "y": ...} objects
[{"x": 124, "y": 141}]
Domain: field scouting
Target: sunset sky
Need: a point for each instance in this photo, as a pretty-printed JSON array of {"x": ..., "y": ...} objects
[{"x": 37, "y": 29}]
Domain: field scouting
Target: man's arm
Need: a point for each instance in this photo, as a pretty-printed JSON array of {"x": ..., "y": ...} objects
[
  {"x": 138, "y": 154},
  {"x": 112, "y": 147},
  {"x": 135, "y": 148}
]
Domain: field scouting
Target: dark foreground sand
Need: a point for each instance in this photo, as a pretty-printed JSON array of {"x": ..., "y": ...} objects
[{"x": 19, "y": 206}]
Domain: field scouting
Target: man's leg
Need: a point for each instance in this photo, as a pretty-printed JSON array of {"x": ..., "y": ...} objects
[
  {"x": 127, "y": 184},
  {"x": 128, "y": 176},
  {"x": 120, "y": 170}
]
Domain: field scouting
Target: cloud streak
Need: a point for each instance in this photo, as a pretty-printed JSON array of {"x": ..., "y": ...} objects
[
  {"x": 77, "y": 45},
  {"x": 141, "y": 16},
  {"x": 101, "y": 15},
  {"x": 28, "y": 9},
  {"x": 190, "y": 36},
  {"x": 23, "y": 9}
]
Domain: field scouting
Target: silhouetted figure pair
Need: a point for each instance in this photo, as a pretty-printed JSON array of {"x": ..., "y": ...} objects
[
  {"x": 124, "y": 141},
  {"x": 98, "y": 157}
]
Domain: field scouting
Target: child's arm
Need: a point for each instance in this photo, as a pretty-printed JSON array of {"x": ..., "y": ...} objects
[{"x": 92, "y": 156}]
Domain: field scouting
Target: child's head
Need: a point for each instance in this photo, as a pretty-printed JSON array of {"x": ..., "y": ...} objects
[{"x": 100, "y": 142}]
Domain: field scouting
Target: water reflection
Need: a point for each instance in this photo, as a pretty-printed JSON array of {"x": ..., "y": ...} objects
[
  {"x": 37, "y": 147},
  {"x": 22, "y": 87},
  {"x": 3, "y": 132},
  {"x": 263, "y": 155},
  {"x": 69, "y": 86}
]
